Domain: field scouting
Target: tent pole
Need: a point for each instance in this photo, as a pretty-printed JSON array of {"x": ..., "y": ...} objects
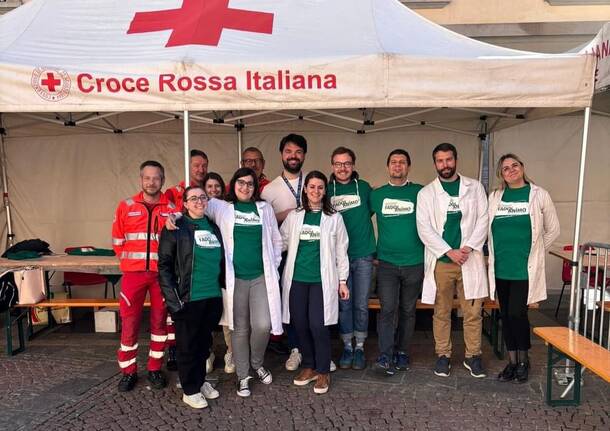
[
  {"x": 187, "y": 153},
  {"x": 10, "y": 236},
  {"x": 574, "y": 319},
  {"x": 239, "y": 128}
]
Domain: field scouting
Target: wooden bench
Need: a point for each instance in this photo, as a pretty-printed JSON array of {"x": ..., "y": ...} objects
[
  {"x": 24, "y": 313},
  {"x": 564, "y": 343}
]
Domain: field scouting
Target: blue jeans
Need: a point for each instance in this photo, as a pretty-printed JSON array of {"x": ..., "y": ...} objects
[{"x": 354, "y": 312}]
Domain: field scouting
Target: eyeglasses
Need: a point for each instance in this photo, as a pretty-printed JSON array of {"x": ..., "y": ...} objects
[
  {"x": 249, "y": 162},
  {"x": 242, "y": 183},
  {"x": 200, "y": 198},
  {"x": 339, "y": 165}
]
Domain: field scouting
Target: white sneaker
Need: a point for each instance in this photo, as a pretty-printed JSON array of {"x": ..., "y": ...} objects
[
  {"x": 196, "y": 401},
  {"x": 294, "y": 360},
  {"x": 264, "y": 375},
  {"x": 209, "y": 364},
  {"x": 229, "y": 364},
  {"x": 209, "y": 392},
  {"x": 333, "y": 366},
  {"x": 243, "y": 387}
]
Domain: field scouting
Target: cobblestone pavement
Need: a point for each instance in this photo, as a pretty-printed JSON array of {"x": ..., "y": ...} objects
[{"x": 67, "y": 380}]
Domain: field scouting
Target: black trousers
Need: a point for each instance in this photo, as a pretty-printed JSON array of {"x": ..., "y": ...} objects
[
  {"x": 194, "y": 325},
  {"x": 307, "y": 316},
  {"x": 512, "y": 295}
]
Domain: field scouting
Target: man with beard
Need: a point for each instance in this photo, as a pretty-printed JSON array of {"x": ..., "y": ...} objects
[
  {"x": 136, "y": 228},
  {"x": 284, "y": 195},
  {"x": 452, "y": 223},
  {"x": 198, "y": 168},
  {"x": 401, "y": 263}
]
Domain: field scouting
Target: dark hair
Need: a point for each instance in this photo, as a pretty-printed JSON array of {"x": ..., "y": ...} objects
[
  {"x": 253, "y": 150},
  {"x": 240, "y": 173},
  {"x": 445, "y": 146},
  {"x": 217, "y": 177},
  {"x": 343, "y": 150},
  {"x": 185, "y": 194},
  {"x": 297, "y": 140},
  {"x": 401, "y": 152},
  {"x": 154, "y": 164},
  {"x": 326, "y": 206},
  {"x": 198, "y": 153}
]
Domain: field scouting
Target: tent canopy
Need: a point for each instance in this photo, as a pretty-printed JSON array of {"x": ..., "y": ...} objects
[{"x": 174, "y": 55}]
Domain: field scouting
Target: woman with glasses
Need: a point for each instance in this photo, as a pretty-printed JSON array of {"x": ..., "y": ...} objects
[
  {"x": 253, "y": 247},
  {"x": 523, "y": 226},
  {"x": 191, "y": 275},
  {"x": 315, "y": 277}
]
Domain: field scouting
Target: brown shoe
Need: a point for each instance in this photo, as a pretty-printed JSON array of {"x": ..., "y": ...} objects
[
  {"x": 322, "y": 384},
  {"x": 306, "y": 376}
]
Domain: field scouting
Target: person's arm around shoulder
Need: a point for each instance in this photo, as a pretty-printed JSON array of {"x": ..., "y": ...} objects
[
  {"x": 168, "y": 279},
  {"x": 550, "y": 220},
  {"x": 215, "y": 209},
  {"x": 479, "y": 233}
]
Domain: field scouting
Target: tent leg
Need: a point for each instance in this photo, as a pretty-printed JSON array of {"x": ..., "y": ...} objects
[
  {"x": 187, "y": 153},
  {"x": 239, "y": 146},
  {"x": 574, "y": 319},
  {"x": 10, "y": 236}
]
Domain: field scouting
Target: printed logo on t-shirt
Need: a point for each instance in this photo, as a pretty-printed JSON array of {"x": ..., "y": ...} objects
[
  {"x": 247, "y": 219},
  {"x": 454, "y": 205},
  {"x": 310, "y": 233},
  {"x": 396, "y": 207},
  {"x": 345, "y": 202},
  {"x": 206, "y": 239},
  {"x": 512, "y": 209}
]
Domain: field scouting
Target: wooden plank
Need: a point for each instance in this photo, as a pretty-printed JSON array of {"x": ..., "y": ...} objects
[
  {"x": 581, "y": 349},
  {"x": 66, "y": 263},
  {"x": 487, "y": 304},
  {"x": 567, "y": 256},
  {"x": 77, "y": 303}
]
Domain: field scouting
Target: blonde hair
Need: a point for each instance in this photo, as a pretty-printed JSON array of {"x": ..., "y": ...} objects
[{"x": 501, "y": 183}]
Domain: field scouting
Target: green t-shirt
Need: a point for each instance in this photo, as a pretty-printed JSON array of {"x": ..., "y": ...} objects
[
  {"x": 206, "y": 261},
  {"x": 248, "y": 241},
  {"x": 511, "y": 229},
  {"x": 352, "y": 201},
  {"x": 398, "y": 242},
  {"x": 452, "y": 233},
  {"x": 307, "y": 263}
]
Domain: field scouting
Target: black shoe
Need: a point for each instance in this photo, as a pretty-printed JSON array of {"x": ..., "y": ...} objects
[
  {"x": 278, "y": 347},
  {"x": 172, "y": 365},
  {"x": 157, "y": 379},
  {"x": 508, "y": 373},
  {"x": 475, "y": 366},
  {"x": 522, "y": 372},
  {"x": 442, "y": 367},
  {"x": 127, "y": 382}
]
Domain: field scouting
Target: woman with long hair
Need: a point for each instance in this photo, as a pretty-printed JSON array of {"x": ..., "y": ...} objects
[
  {"x": 315, "y": 276},
  {"x": 191, "y": 275},
  {"x": 253, "y": 248},
  {"x": 523, "y": 226},
  {"x": 214, "y": 185}
]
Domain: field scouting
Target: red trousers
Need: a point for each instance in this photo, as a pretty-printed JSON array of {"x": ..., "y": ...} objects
[
  {"x": 171, "y": 332},
  {"x": 134, "y": 287}
]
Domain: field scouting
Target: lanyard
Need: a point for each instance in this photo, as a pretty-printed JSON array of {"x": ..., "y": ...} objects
[
  {"x": 297, "y": 194},
  {"x": 335, "y": 188}
]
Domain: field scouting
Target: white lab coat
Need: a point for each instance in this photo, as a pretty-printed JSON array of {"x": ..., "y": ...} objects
[
  {"x": 334, "y": 262},
  {"x": 223, "y": 214},
  {"x": 431, "y": 214},
  {"x": 545, "y": 230}
]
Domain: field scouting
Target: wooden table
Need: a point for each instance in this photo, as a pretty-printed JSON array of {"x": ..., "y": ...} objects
[
  {"x": 566, "y": 255},
  {"x": 66, "y": 263}
]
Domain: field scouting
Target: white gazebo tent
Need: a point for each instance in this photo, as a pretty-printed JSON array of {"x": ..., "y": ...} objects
[{"x": 361, "y": 66}]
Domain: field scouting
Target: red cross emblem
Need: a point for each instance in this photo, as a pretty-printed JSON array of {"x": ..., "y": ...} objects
[
  {"x": 200, "y": 22},
  {"x": 50, "y": 84}
]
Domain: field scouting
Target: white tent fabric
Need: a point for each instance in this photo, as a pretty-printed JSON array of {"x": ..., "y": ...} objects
[
  {"x": 174, "y": 55},
  {"x": 600, "y": 47}
]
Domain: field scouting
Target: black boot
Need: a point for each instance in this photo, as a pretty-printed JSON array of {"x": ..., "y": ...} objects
[
  {"x": 128, "y": 382},
  {"x": 157, "y": 379},
  {"x": 508, "y": 374},
  {"x": 172, "y": 365},
  {"x": 523, "y": 366}
]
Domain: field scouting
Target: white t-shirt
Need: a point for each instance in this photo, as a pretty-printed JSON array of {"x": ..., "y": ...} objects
[{"x": 279, "y": 196}]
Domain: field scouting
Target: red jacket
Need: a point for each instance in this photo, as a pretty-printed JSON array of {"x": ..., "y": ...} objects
[
  {"x": 174, "y": 194},
  {"x": 135, "y": 232}
]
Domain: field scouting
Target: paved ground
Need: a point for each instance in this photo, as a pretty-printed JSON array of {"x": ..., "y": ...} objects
[{"x": 67, "y": 380}]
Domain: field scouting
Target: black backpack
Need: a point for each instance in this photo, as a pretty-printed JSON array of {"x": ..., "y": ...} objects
[{"x": 8, "y": 291}]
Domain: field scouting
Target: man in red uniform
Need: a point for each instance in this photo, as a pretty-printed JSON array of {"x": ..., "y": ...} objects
[
  {"x": 253, "y": 158},
  {"x": 135, "y": 234},
  {"x": 198, "y": 168}
]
